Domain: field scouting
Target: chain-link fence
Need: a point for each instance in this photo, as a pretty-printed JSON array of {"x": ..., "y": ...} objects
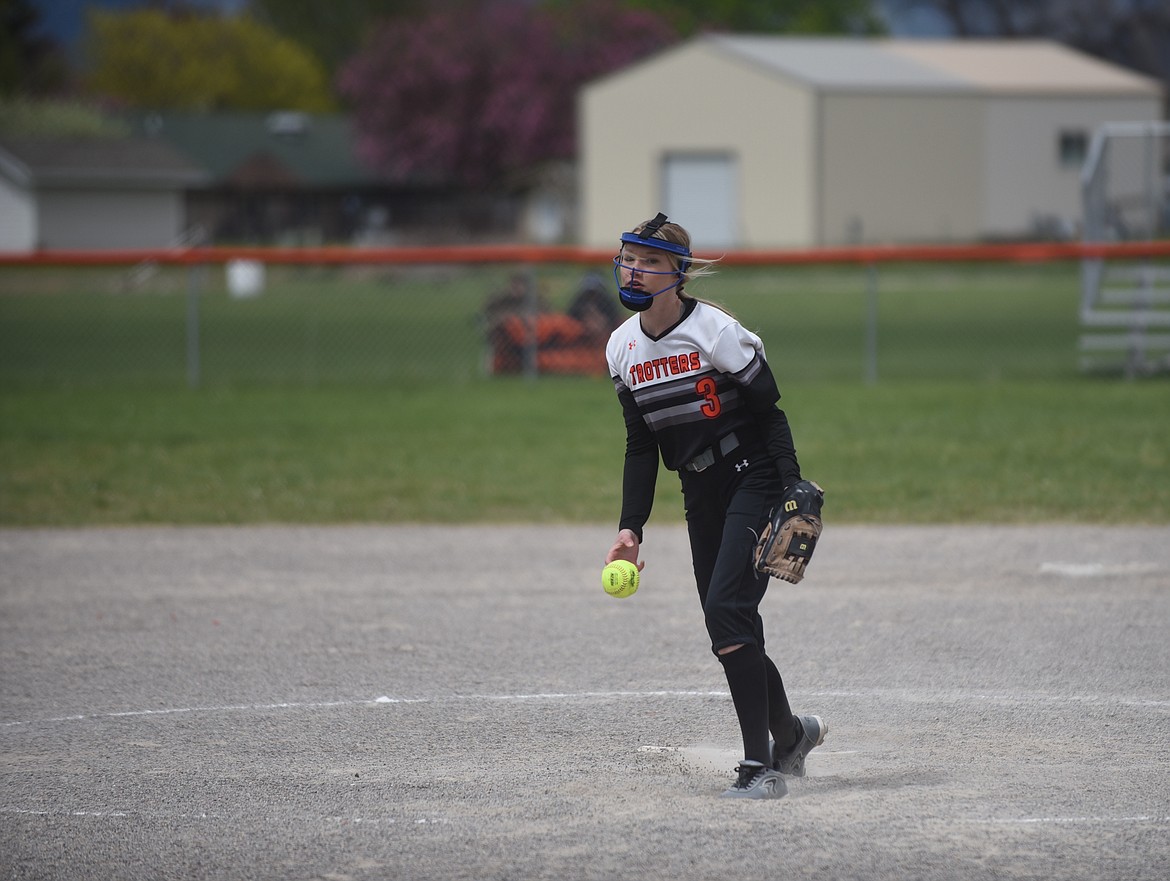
[
  {"x": 250, "y": 324},
  {"x": 246, "y": 324}
]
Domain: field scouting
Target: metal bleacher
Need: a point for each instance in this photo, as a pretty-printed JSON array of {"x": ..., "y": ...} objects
[{"x": 1125, "y": 305}]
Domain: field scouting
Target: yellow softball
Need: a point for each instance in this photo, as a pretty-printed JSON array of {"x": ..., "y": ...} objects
[{"x": 620, "y": 578}]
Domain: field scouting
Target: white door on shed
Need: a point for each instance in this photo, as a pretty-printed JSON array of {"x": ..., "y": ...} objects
[{"x": 701, "y": 193}]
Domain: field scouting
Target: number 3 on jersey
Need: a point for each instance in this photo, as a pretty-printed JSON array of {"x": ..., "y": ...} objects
[{"x": 706, "y": 389}]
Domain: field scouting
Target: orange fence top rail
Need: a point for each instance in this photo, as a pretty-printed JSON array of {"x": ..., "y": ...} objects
[{"x": 1025, "y": 252}]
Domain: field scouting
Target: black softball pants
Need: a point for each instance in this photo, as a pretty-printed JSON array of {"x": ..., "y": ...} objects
[{"x": 725, "y": 511}]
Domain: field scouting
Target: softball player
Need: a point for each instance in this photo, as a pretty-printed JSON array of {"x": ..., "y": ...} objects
[{"x": 696, "y": 389}]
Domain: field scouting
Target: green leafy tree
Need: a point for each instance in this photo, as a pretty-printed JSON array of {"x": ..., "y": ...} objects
[
  {"x": 56, "y": 118},
  {"x": 774, "y": 17},
  {"x": 335, "y": 30},
  {"x": 151, "y": 59}
]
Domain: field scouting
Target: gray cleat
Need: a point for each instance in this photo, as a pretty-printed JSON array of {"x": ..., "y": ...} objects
[
  {"x": 813, "y": 731},
  {"x": 756, "y": 780}
]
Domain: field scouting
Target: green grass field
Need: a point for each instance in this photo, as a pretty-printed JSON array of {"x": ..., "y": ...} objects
[{"x": 340, "y": 396}]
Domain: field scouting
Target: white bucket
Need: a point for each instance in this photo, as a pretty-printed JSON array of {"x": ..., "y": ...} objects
[{"x": 245, "y": 278}]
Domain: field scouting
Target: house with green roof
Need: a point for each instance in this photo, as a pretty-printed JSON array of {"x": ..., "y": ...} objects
[{"x": 280, "y": 178}]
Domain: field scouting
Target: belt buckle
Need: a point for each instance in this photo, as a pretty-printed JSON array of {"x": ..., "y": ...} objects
[{"x": 703, "y": 461}]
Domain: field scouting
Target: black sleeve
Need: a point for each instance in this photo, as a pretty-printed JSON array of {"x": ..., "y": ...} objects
[
  {"x": 778, "y": 438},
  {"x": 761, "y": 396},
  {"x": 640, "y": 473}
]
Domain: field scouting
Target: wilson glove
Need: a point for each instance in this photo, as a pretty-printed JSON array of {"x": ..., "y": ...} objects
[{"x": 790, "y": 535}]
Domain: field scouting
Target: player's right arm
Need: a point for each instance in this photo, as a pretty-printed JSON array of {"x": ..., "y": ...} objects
[
  {"x": 625, "y": 547},
  {"x": 639, "y": 476}
]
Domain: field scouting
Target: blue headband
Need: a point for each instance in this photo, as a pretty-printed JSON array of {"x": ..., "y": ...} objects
[
  {"x": 629, "y": 238},
  {"x": 647, "y": 238}
]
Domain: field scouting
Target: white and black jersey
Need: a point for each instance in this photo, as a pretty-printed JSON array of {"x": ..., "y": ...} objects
[{"x": 685, "y": 390}]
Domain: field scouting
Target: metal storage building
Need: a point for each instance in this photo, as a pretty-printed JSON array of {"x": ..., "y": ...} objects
[{"x": 776, "y": 142}]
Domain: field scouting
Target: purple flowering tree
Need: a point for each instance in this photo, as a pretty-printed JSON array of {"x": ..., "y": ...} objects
[{"x": 473, "y": 93}]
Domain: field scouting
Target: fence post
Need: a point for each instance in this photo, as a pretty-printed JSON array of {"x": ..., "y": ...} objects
[
  {"x": 871, "y": 317},
  {"x": 195, "y": 274},
  {"x": 531, "y": 368}
]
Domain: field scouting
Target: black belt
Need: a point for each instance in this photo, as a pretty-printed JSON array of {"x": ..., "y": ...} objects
[{"x": 706, "y": 459}]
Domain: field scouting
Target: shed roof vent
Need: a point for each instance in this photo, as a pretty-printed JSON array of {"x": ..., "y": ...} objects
[{"x": 288, "y": 123}]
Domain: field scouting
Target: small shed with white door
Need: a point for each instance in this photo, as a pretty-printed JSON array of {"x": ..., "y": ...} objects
[{"x": 777, "y": 142}]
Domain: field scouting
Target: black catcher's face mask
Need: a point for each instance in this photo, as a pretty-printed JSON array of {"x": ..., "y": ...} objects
[{"x": 637, "y": 299}]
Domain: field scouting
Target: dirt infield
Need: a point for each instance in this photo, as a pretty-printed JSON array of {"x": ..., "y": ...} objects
[{"x": 428, "y": 703}]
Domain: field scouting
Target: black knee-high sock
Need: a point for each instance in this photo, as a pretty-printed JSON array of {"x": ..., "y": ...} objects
[
  {"x": 748, "y": 680},
  {"x": 781, "y": 722}
]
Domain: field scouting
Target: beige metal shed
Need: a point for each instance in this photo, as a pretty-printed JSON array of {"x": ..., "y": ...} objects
[{"x": 777, "y": 142}]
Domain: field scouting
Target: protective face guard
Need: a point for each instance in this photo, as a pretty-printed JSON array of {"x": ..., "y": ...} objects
[{"x": 639, "y": 301}]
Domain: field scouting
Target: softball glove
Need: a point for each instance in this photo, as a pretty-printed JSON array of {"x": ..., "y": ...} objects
[{"x": 790, "y": 535}]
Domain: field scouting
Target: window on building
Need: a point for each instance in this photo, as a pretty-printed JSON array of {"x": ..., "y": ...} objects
[{"x": 1072, "y": 148}]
